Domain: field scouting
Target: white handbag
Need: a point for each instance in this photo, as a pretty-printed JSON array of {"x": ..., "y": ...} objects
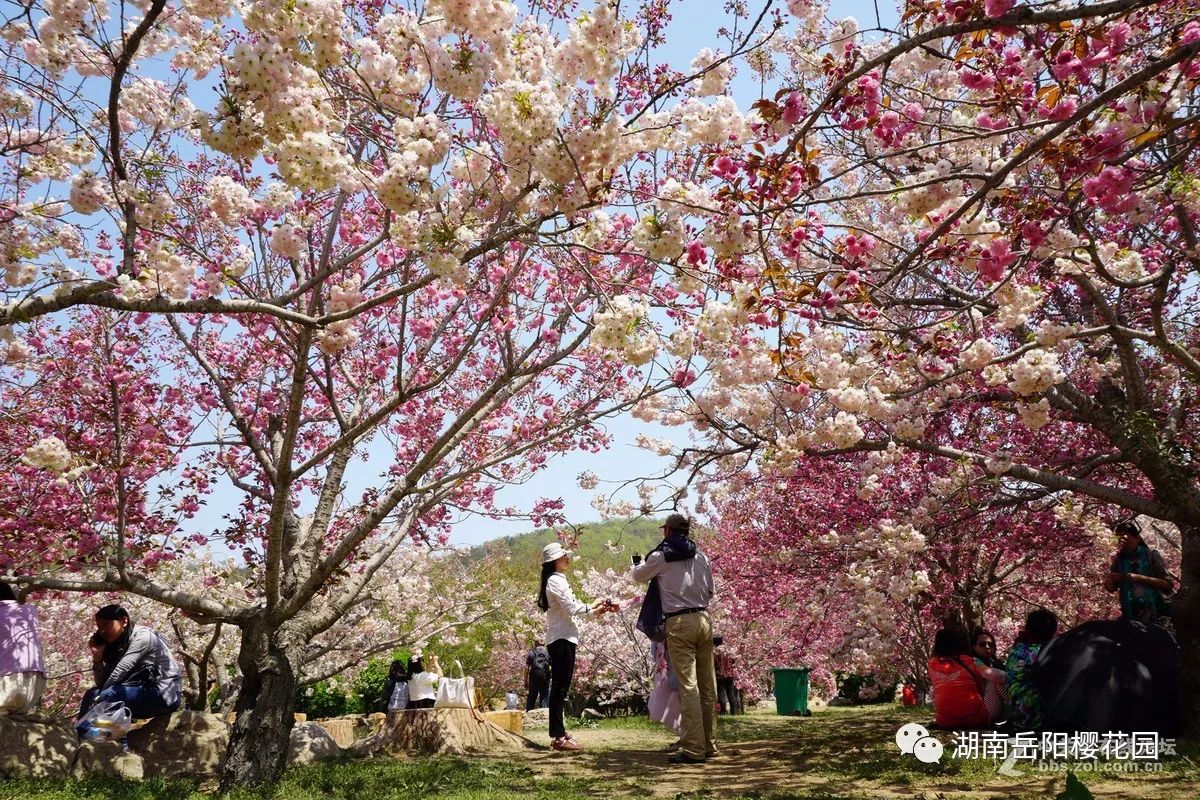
[{"x": 456, "y": 692}]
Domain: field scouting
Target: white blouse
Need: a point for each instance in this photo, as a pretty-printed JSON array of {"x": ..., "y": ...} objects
[
  {"x": 563, "y": 606},
  {"x": 422, "y": 686}
]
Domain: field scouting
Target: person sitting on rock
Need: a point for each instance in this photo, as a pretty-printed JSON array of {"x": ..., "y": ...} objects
[
  {"x": 22, "y": 674},
  {"x": 422, "y": 683},
  {"x": 132, "y": 664},
  {"x": 395, "y": 691}
]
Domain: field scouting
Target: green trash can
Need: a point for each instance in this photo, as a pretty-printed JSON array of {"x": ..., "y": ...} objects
[{"x": 791, "y": 691}]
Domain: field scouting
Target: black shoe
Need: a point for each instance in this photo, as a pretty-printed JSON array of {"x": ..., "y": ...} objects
[{"x": 683, "y": 758}]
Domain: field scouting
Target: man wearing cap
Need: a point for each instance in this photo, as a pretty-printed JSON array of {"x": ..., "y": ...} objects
[{"x": 685, "y": 584}]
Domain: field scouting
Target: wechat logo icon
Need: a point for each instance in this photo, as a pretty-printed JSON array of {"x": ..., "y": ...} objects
[{"x": 915, "y": 739}]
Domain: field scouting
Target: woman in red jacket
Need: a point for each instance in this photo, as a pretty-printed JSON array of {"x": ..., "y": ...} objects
[{"x": 957, "y": 683}]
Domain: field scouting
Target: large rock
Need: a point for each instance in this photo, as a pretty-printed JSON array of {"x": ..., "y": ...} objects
[
  {"x": 107, "y": 758},
  {"x": 453, "y": 731},
  {"x": 183, "y": 744},
  {"x": 310, "y": 742},
  {"x": 36, "y": 747}
]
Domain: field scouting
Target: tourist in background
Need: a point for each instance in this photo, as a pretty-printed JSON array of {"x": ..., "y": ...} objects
[
  {"x": 395, "y": 691},
  {"x": 995, "y": 691},
  {"x": 1141, "y": 577},
  {"x": 22, "y": 673},
  {"x": 422, "y": 682},
  {"x": 1025, "y": 711},
  {"x": 132, "y": 664},
  {"x": 728, "y": 697},
  {"x": 958, "y": 685},
  {"x": 537, "y": 677}
]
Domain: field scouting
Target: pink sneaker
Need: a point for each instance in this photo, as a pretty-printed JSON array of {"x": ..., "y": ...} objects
[{"x": 565, "y": 743}]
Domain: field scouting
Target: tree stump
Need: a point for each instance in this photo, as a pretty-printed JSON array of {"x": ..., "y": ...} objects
[{"x": 448, "y": 731}]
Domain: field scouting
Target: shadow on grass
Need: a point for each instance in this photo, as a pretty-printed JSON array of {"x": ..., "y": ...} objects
[
  {"x": 845, "y": 752},
  {"x": 373, "y": 779}
]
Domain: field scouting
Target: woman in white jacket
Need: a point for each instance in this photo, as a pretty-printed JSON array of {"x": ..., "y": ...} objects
[{"x": 561, "y": 606}]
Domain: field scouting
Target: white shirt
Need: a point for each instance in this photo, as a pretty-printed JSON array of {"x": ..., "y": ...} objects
[
  {"x": 563, "y": 606},
  {"x": 681, "y": 584},
  {"x": 421, "y": 686}
]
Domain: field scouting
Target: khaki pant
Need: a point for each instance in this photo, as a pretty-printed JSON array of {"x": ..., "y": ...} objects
[{"x": 689, "y": 642}]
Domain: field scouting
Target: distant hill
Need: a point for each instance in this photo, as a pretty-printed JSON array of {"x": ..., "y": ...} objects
[{"x": 638, "y": 535}]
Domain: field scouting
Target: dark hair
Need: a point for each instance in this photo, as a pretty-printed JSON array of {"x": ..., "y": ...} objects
[
  {"x": 6, "y": 592},
  {"x": 548, "y": 569},
  {"x": 949, "y": 643},
  {"x": 397, "y": 672},
  {"x": 1126, "y": 526},
  {"x": 112, "y": 612},
  {"x": 981, "y": 632},
  {"x": 114, "y": 651},
  {"x": 1041, "y": 625},
  {"x": 415, "y": 665}
]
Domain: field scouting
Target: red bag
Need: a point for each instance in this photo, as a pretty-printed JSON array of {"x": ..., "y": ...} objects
[{"x": 908, "y": 695}]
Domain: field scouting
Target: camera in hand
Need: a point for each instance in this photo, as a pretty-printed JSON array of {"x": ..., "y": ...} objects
[{"x": 637, "y": 559}]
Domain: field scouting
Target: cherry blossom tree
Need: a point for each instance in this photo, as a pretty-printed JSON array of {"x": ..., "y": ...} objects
[
  {"x": 852, "y": 565},
  {"x": 614, "y": 664},
  {"x": 391, "y": 235},
  {"x": 974, "y": 239}
]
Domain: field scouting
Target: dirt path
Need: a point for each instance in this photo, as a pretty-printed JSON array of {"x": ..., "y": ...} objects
[{"x": 839, "y": 751}]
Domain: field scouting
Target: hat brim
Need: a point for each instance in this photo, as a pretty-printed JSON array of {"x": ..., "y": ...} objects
[{"x": 567, "y": 553}]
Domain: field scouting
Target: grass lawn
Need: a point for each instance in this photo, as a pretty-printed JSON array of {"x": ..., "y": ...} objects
[
  {"x": 846, "y": 753},
  {"x": 376, "y": 779}
]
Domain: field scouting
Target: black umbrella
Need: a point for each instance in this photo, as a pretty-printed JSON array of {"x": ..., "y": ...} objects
[{"x": 1110, "y": 675}]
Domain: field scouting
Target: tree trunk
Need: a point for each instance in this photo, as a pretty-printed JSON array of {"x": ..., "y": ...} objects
[
  {"x": 258, "y": 743},
  {"x": 201, "y": 701},
  {"x": 973, "y": 609},
  {"x": 1187, "y": 627}
]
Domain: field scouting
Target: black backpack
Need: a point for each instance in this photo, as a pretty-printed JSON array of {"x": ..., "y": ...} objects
[
  {"x": 539, "y": 666},
  {"x": 651, "y": 619}
]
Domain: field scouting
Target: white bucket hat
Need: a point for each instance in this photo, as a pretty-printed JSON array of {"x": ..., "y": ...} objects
[{"x": 553, "y": 552}]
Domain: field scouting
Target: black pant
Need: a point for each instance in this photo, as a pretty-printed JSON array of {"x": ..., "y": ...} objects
[
  {"x": 539, "y": 693},
  {"x": 421, "y": 704},
  {"x": 562, "y": 669},
  {"x": 727, "y": 696}
]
